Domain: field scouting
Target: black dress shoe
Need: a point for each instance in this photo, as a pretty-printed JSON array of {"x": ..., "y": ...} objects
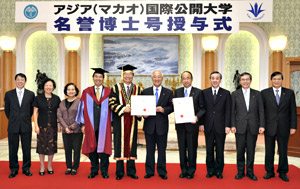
[
  {"x": 252, "y": 177},
  {"x": 182, "y": 175},
  {"x": 269, "y": 175},
  {"x": 119, "y": 177},
  {"x": 209, "y": 174},
  {"x": 284, "y": 177},
  {"x": 239, "y": 176},
  {"x": 12, "y": 174},
  {"x": 27, "y": 173},
  {"x": 42, "y": 173},
  {"x": 165, "y": 177},
  {"x": 133, "y": 176},
  {"x": 73, "y": 172},
  {"x": 92, "y": 175},
  {"x": 190, "y": 176},
  {"x": 50, "y": 172},
  {"x": 105, "y": 175},
  {"x": 219, "y": 175},
  {"x": 68, "y": 171},
  {"x": 148, "y": 176}
]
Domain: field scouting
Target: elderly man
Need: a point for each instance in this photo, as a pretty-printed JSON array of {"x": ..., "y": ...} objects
[
  {"x": 156, "y": 127},
  {"x": 124, "y": 125}
]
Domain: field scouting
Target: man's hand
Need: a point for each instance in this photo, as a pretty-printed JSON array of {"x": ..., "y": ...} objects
[
  {"x": 201, "y": 128},
  {"x": 127, "y": 109},
  {"x": 261, "y": 130},
  {"x": 160, "y": 109},
  {"x": 292, "y": 131},
  {"x": 233, "y": 130}
]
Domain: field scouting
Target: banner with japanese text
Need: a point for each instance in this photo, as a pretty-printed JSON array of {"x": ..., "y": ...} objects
[{"x": 144, "y": 16}]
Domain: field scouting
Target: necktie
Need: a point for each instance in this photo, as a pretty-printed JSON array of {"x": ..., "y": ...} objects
[
  {"x": 215, "y": 95},
  {"x": 277, "y": 97},
  {"x": 156, "y": 94},
  {"x": 20, "y": 97},
  {"x": 128, "y": 91},
  {"x": 186, "y": 93},
  {"x": 246, "y": 99},
  {"x": 97, "y": 93}
]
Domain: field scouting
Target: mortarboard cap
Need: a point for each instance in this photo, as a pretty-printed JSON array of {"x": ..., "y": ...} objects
[
  {"x": 99, "y": 70},
  {"x": 127, "y": 67}
]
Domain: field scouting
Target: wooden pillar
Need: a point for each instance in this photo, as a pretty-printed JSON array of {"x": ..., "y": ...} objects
[
  {"x": 7, "y": 77},
  {"x": 72, "y": 68},
  {"x": 210, "y": 65}
]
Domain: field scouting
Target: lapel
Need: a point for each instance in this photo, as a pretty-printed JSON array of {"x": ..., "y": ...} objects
[
  {"x": 24, "y": 97},
  {"x": 192, "y": 93},
  {"x": 242, "y": 99},
  {"x": 272, "y": 95},
  {"x": 210, "y": 95},
  {"x": 251, "y": 99},
  {"x": 283, "y": 93},
  {"x": 16, "y": 97},
  {"x": 161, "y": 96},
  {"x": 181, "y": 92}
]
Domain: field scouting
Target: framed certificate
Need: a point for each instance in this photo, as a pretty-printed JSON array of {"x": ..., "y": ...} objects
[
  {"x": 184, "y": 110},
  {"x": 143, "y": 105}
]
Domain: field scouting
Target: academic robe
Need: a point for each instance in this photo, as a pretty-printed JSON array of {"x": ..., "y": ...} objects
[
  {"x": 124, "y": 125},
  {"x": 85, "y": 116}
]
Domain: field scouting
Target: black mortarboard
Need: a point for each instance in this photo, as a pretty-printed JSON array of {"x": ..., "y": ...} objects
[
  {"x": 99, "y": 70},
  {"x": 127, "y": 67}
]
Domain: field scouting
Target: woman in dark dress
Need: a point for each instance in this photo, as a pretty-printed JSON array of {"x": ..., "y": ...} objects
[
  {"x": 72, "y": 135},
  {"x": 45, "y": 121}
]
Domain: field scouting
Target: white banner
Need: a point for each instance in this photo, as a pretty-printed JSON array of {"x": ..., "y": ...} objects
[{"x": 144, "y": 16}]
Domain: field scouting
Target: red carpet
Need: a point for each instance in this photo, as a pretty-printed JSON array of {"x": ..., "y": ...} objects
[{"x": 60, "y": 180}]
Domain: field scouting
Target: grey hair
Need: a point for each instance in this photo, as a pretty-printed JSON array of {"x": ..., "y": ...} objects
[{"x": 162, "y": 75}]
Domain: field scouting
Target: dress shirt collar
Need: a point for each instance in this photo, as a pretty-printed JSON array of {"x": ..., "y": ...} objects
[
  {"x": 213, "y": 89},
  {"x": 188, "y": 90},
  {"x": 17, "y": 90},
  {"x": 125, "y": 85},
  {"x": 279, "y": 92}
]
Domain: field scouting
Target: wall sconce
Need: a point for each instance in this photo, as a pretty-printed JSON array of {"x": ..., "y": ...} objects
[
  {"x": 277, "y": 58},
  {"x": 7, "y": 66},
  {"x": 209, "y": 44},
  {"x": 72, "y": 60}
]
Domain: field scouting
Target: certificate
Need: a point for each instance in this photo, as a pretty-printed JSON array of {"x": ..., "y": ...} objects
[
  {"x": 143, "y": 105},
  {"x": 184, "y": 110}
]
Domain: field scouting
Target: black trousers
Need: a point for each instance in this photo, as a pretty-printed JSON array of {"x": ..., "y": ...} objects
[
  {"x": 187, "y": 143},
  {"x": 215, "y": 161},
  {"x": 151, "y": 141},
  {"x": 13, "y": 144},
  {"x": 72, "y": 142},
  {"x": 94, "y": 158},
  {"x": 245, "y": 143},
  {"x": 282, "y": 143},
  {"x": 131, "y": 170}
]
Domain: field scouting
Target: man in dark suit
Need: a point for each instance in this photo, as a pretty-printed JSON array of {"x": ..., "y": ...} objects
[
  {"x": 18, "y": 110},
  {"x": 156, "y": 127},
  {"x": 247, "y": 120},
  {"x": 281, "y": 122},
  {"x": 187, "y": 133},
  {"x": 217, "y": 103}
]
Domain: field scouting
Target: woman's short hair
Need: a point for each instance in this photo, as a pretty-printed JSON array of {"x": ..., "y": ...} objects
[
  {"x": 49, "y": 79},
  {"x": 66, "y": 88}
]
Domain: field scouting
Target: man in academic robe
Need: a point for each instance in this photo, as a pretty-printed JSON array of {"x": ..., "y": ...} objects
[
  {"x": 217, "y": 103},
  {"x": 281, "y": 122},
  {"x": 247, "y": 121},
  {"x": 156, "y": 127},
  {"x": 18, "y": 110},
  {"x": 124, "y": 125},
  {"x": 95, "y": 115},
  {"x": 187, "y": 133}
]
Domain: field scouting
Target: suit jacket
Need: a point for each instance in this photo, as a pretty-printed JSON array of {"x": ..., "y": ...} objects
[
  {"x": 217, "y": 113},
  {"x": 198, "y": 108},
  {"x": 19, "y": 118},
  {"x": 282, "y": 117},
  {"x": 161, "y": 120},
  {"x": 240, "y": 116}
]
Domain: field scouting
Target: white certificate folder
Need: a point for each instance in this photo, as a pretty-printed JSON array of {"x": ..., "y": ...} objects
[
  {"x": 184, "y": 110},
  {"x": 143, "y": 105}
]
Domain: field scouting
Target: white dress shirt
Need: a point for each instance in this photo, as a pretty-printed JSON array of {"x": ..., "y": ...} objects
[
  {"x": 188, "y": 90},
  {"x": 20, "y": 97},
  {"x": 100, "y": 90},
  {"x": 247, "y": 97},
  {"x": 159, "y": 90}
]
